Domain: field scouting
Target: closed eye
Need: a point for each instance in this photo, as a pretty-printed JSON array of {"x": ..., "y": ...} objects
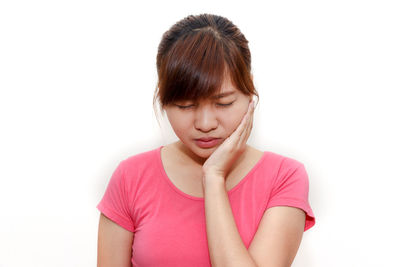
[
  {"x": 218, "y": 104},
  {"x": 224, "y": 105},
  {"x": 184, "y": 107}
]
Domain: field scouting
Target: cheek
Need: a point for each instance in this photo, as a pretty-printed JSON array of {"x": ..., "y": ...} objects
[
  {"x": 234, "y": 118},
  {"x": 179, "y": 124}
]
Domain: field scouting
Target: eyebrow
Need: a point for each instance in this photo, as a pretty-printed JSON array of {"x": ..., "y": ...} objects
[{"x": 223, "y": 95}]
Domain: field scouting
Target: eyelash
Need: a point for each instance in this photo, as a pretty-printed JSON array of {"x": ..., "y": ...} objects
[{"x": 221, "y": 105}]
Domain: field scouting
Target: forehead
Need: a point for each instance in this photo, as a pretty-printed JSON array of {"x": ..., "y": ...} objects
[
  {"x": 227, "y": 88},
  {"x": 224, "y": 93}
]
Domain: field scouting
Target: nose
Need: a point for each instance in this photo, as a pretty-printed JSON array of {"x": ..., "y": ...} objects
[{"x": 206, "y": 119}]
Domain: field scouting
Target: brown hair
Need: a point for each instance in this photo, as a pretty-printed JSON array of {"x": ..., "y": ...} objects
[{"x": 195, "y": 54}]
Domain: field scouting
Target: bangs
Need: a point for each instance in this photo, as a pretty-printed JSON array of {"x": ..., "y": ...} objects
[
  {"x": 194, "y": 68},
  {"x": 196, "y": 56}
]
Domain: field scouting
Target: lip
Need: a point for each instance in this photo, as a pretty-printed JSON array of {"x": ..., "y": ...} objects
[
  {"x": 206, "y": 139},
  {"x": 207, "y": 142}
]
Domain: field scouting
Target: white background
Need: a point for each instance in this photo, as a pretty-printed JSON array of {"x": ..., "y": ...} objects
[{"x": 77, "y": 81}]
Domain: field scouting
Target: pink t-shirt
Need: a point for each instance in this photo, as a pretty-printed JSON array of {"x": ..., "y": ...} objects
[{"x": 169, "y": 225}]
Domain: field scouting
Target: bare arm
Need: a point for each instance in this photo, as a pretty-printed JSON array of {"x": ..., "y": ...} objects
[
  {"x": 114, "y": 247},
  {"x": 225, "y": 245},
  {"x": 275, "y": 244}
]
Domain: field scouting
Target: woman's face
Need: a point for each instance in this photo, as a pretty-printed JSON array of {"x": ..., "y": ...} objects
[{"x": 216, "y": 117}]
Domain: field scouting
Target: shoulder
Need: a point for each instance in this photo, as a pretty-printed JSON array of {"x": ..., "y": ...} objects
[
  {"x": 141, "y": 161},
  {"x": 136, "y": 171},
  {"x": 281, "y": 160},
  {"x": 275, "y": 163},
  {"x": 287, "y": 172}
]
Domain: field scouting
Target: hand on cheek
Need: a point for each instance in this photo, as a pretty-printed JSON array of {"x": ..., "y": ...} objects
[{"x": 221, "y": 160}]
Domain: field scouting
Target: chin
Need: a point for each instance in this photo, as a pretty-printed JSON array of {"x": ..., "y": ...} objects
[
  {"x": 198, "y": 151},
  {"x": 204, "y": 152}
]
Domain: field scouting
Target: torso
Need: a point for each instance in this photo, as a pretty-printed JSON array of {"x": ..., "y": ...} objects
[{"x": 187, "y": 176}]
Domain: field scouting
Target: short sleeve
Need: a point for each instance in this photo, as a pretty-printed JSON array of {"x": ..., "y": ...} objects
[
  {"x": 114, "y": 204},
  {"x": 291, "y": 189}
]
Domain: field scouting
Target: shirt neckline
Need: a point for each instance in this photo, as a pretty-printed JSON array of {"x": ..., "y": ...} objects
[{"x": 176, "y": 189}]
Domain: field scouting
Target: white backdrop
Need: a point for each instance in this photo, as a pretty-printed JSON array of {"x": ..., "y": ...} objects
[{"x": 77, "y": 81}]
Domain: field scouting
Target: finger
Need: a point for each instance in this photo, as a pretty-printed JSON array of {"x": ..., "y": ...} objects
[
  {"x": 248, "y": 131},
  {"x": 243, "y": 126},
  {"x": 249, "y": 124},
  {"x": 243, "y": 123},
  {"x": 247, "y": 118},
  {"x": 237, "y": 135}
]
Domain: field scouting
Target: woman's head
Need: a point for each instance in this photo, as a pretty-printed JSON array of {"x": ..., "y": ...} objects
[
  {"x": 195, "y": 54},
  {"x": 199, "y": 58}
]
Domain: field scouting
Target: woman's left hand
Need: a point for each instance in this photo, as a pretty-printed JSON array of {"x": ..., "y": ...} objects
[{"x": 222, "y": 159}]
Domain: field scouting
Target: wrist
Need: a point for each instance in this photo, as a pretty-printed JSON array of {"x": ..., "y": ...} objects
[{"x": 211, "y": 179}]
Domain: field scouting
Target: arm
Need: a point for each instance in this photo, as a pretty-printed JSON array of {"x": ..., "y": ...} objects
[
  {"x": 224, "y": 242},
  {"x": 279, "y": 232},
  {"x": 275, "y": 243},
  {"x": 278, "y": 236},
  {"x": 114, "y": 246}
]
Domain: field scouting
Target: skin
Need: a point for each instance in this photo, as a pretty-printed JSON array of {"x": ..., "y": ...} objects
[
  {"x": 222, "y": 159},
  {"x": 209, "y": 118}
]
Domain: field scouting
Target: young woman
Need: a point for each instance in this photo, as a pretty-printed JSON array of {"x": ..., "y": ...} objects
[{"x": 208, "y": 199}]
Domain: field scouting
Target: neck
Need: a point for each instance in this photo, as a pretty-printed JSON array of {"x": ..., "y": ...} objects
[{"x": 188, "y": 156}]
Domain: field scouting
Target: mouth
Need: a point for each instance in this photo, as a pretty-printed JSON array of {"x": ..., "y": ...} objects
[{"x": 208, "y": 142}]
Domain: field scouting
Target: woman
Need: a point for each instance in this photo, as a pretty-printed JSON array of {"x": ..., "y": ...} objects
[{"x": 209, "y": 198}]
